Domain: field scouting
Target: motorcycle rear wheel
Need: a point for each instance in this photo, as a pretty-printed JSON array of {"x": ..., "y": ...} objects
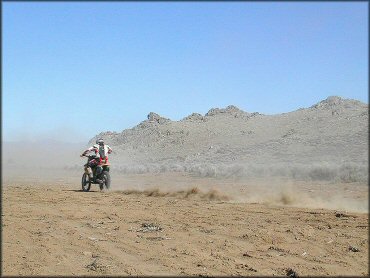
[
  {"x": 106, "y": 179},
  {"x": 85, "y": 182}
]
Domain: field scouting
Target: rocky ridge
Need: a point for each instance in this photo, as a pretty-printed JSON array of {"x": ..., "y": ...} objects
[{"x": 331, "y": 132}]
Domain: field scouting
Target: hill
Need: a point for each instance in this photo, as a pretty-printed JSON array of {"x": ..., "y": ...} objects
[{"x": 332, "y": 133}]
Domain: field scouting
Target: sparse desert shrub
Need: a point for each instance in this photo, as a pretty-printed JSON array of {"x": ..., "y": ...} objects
[
  {"x": 163, "y": 168},
  {"x": 353, "y": 173},
  {"x": 210, "y": 171},
  {"x": 176, "y": 168},
  {"x": 297, "y": 173},
  {"x": 347, "y": 172},
  {"x": 322, "y": 173},
  {"x": 236, "y": 170}
]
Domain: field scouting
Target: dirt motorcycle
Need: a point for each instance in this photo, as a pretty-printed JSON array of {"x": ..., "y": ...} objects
[{"x": 90, "y": 175}]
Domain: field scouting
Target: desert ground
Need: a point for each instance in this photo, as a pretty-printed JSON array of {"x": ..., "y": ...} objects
[{"x": 179, "y": 224}]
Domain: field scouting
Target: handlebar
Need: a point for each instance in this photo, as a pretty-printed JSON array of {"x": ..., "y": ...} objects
[
  {"x": 84, "y": 155},
  {"x": 92, "y": 155}
]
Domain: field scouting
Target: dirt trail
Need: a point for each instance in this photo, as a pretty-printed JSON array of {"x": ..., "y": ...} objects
[{"x": 53, "y": 228}]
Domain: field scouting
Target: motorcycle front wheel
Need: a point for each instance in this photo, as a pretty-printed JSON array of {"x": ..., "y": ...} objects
[
  {"x": 85, "y": 182},
  {"x": 106, "y": 179}
]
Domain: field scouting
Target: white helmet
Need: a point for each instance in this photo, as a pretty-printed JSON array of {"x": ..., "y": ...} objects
[{"x": 100, "y": 141}]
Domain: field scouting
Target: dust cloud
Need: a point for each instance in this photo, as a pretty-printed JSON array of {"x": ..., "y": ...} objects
[
  {"x": 334, "y": 196},
  {"x": 269, "y": 191},
  {"x": 53, "y": 161},
  {"x": 39, "y": 159},
  {"x": 191, "y": 193}
]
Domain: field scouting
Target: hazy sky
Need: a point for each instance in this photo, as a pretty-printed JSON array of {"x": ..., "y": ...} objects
[{"x": 76, "y": 69}]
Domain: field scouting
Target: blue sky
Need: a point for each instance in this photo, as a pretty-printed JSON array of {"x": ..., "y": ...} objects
[{"x": 76, "y": 69}]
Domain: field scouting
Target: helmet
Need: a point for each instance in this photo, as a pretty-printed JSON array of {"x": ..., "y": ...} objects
[{"x": 100, "y": 141}]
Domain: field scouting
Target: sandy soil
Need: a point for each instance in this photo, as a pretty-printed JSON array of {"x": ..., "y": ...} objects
[{"x": 176, "y": 224}]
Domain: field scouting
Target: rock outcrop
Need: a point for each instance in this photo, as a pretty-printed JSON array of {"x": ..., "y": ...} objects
[{"x": 333, "y": 131}]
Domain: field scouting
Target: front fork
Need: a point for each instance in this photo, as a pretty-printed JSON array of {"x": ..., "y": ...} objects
[{"x": 89, "y": 171}]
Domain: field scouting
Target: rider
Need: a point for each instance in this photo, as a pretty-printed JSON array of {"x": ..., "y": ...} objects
[{"x": 101, "y": 151}]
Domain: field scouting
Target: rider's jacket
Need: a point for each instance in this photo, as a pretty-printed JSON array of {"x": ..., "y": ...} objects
[{"x": 100, "y": 151}]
